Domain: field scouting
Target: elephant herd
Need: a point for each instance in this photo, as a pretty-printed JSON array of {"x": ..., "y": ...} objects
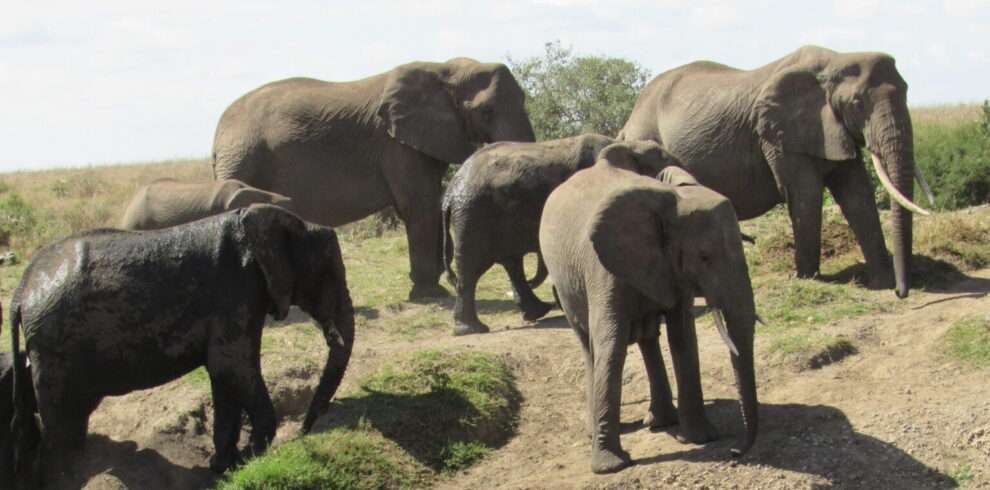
[{"x": 630, "y": 230}]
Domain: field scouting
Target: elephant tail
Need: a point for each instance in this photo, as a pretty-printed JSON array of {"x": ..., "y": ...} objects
[
  {"x": 541, "y": 272},
  {"x": 448, "y": 245}
]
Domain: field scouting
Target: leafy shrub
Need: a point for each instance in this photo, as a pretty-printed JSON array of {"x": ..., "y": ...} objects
[
  {"x": 956, "y": 161},
  {"x": 17, "y": 218}
]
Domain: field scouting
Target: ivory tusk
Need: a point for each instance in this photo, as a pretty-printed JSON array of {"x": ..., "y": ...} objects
[
  {"x": 920, "y": 177},
  {"x": 894, "y": 193},
  {"x": 724, "y": 332}
]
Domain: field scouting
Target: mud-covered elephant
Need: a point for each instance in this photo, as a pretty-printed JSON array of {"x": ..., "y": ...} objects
[
  {"x": 494, "y": 204},
  {"x": 18, "y": 440},
  {"x": 786, "y": 131},
  {"x": 106, "y": 312},
  {"x": 625, "y": 250},
  {"x": 342, "y": 151},
  {"x": 169, "y": 202}
]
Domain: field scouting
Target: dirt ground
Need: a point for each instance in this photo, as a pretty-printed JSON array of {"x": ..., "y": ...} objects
[{"x": 895, "y": 415}]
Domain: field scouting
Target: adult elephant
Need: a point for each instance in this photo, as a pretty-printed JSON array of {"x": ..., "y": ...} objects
[
  {"x": 169, "y": 202},
  {"x": 784, "y": 132},
  {"x": 624, "y": 250},
  {"x": 344, "y": 150},
  {"x": 107, "y": 312},
  {"x": 494, "y": 203}
]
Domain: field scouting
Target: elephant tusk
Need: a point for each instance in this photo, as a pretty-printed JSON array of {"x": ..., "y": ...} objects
[
  {"x": 894, "y": 193},
  {"x": 920, "y": 177},
  {"x": 724, "y": 332}
]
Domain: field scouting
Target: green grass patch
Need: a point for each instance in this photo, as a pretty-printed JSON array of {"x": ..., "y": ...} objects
[
  {"x": 796, "y": 302},
  {"x": 968, "y": 340},
  {"x": 410, "y": 423},
  {"x": 961, "y": 474}
]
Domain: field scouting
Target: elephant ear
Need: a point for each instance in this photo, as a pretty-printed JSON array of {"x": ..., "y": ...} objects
[
  {"x": 631, "y": 234},
  {"x": 677, "y": 177},
  {"x": 420, "y": 111},
  {"x": 270, "y": 232},
  {"x": 246, "y": 196},
  {"x": 793, "y": 114}
]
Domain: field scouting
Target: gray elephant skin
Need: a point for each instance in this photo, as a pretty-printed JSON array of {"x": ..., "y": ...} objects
[
  {"x": 18, "y": 441},
  {"x": 624, "y": 250},
  {"x": 786, "y": 131},
  {"x": 107, "y": 312},
  {"x": 169, "y": 202},
  {"x": 344, "y": 150},
  {"x": 494, "y": 203}
]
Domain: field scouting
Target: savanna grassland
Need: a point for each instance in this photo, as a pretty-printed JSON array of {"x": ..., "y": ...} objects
[{"x": 858, "y": 389}]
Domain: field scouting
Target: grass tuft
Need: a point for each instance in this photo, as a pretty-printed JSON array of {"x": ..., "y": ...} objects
[
  {"x": 968, "y": 340},
  {"x": 408, "y": 424}
]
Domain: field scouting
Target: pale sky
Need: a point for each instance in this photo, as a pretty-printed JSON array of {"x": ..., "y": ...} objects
[{"x": 123, "y": 81}]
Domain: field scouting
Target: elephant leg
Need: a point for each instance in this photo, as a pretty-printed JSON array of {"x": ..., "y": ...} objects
[
  {"x": 608, "y": 351},
  {"x": 694, "y": 424},
  {"x": 414, "y": 180},
  {"x": 466, "y": 319},
  {"x": 589, "y": 379},
  {"x": 65, "y": 420},
  {"x": 662, "y": 412},
  {"x": 530, "y": 305},
  {"x": 803, "y": 193},
  {"x": 850, "y": 185},
  {"x": 226, "y": 426},
  {"x": 236, "y": 386}
]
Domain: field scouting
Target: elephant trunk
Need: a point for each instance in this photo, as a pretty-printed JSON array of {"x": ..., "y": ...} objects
[
  {"x": 339, "y": 335},
  {"x": 738, "y": 334},
  {"x": 515, "y": 128},
  {"x": 891, "y": 139}
]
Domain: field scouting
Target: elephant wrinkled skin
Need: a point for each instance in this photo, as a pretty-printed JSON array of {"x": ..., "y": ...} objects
[
  {"x": 344, "y": 150},
  {"x": 107, "y": 312},
  {"x": 624, "y": 250},
  {"x": 494, "y": 203},
  {"x": 786, "y": 131},
  {"x": 168, "y": 202}
]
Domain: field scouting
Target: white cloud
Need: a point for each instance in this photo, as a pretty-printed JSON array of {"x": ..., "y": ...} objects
[
  {"x": 856, "y": 9},
  {"x": 716, "y": 15},
  {"x": 965, "y": 7}
]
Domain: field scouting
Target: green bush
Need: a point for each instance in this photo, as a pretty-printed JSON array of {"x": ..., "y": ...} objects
[
  {"x": 956, "y": 161},
  {"x": 17, "y": 218}
]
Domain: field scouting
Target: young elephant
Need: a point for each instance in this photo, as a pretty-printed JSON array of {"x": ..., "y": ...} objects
[
  {"x": 624, "y": 250},
  {"x": 107, "y": 312},
  {"x": 494, "y": 203},
  {"x": 18, "y": 441},
  {"x": 168, "y": 202}
]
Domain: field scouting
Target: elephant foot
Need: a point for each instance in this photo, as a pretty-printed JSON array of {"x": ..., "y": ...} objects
[
  {"x": 464, "y": 328},
  {"x": 609, "y": 461},
  {"x": 697, "y": 431},
  {"x": 221, "y": 463},
  {"x": 536, "y": 311},
  {"x": 431, "y": 291},
  {"x": 659, "y": 419}
]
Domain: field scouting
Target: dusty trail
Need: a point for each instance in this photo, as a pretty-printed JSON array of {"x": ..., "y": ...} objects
[{"x": 896, "y": 415}]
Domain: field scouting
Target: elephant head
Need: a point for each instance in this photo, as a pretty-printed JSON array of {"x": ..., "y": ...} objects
[
  {"x": 674, "y": 243},
  {"x": 829, "y": 105},
  {"x": 302, "y": 265},
  {"x": 643, "y": 156},
  {"x": 447, "y": 110}
]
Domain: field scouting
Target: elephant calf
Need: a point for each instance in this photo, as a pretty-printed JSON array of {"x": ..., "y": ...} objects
[
  {"x": 168, "y": 202},
  {"x": 107, "y": 312},
  {"x": 494, "y": 203},
  {"x": 624, "y": 250}
]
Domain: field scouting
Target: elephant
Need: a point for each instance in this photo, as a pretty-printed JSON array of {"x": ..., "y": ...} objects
[
  {"x": 784, "y": 132},
  {"x": 494, "y": 203},
  {"x": 18, "y": 441},
  {"x": 624, "y": 250},
  {"x": 168, "y": 202},
  {"x": 106, "y": 312},
  {"x": 345, "y": 150}
]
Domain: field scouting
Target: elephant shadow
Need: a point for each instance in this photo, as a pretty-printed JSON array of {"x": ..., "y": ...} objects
[
  {"x": 132, "y": 467},
  {"x": 927, "y": 273},
  {"x": 424, "y": 425},
  {"x": 813, "y": 439}
]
